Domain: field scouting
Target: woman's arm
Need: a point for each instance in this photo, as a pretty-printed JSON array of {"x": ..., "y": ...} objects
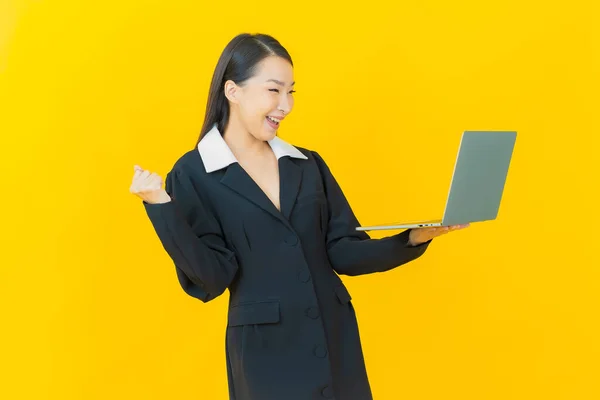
[
  {"x": 353, "y": 252},
  {"x": 192, "y": 238}
]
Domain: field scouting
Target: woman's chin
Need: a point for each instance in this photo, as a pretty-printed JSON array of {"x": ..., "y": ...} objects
[{"x": 267, "y": 133}]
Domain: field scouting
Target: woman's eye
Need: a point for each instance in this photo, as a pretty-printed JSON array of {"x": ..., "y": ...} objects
[{"x": 277, "y": 91}]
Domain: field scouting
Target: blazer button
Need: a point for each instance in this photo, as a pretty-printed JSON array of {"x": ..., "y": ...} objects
[
  {"x": 312, "y": 312},
  {"x": 320, "y": 351},
  {"x": 327, "y": 392},
  {"x": 304, "y": 276},
  {"x": 292, "y": 240}
]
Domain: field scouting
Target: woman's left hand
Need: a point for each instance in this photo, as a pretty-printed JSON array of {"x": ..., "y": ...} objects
[{"x": 418, "y": 236}]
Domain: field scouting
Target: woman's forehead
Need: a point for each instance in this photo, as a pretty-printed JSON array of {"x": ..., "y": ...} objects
[{"x": 276, "y": 70}]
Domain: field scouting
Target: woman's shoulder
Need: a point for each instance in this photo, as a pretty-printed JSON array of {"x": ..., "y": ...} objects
[
  {"x": 311, "y": 154},
  {"x": 314, "y": 157},
  {"x": 188, "y": 162}
]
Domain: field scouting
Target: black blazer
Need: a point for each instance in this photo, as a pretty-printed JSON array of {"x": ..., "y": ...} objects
[{"x": 292, "y": 330}]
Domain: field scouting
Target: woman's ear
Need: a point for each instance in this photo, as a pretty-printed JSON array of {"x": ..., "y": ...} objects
[{"x": 231, "y": 91}]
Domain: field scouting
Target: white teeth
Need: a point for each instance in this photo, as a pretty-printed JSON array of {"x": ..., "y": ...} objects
[{"x": 273, "y": 119}]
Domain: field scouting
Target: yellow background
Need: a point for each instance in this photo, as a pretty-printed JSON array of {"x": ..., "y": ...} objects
[{"x": 90, "y": 305}]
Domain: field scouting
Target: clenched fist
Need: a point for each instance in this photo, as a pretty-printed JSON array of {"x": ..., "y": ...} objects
[{"x": 148, "y": 186}]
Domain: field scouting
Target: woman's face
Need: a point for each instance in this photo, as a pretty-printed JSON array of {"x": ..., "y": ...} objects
[{"x": 265, "y": 99}]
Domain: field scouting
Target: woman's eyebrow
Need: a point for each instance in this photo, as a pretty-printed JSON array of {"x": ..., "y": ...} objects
[{"x": 279, "y": 82}]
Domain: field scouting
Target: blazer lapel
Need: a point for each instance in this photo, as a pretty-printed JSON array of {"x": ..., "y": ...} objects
[
  {"x": 238, "y": 180},
  {"x": 290, "y": 177}
]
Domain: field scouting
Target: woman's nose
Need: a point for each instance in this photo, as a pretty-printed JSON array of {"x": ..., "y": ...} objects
[{"x": 285, "y": 105}]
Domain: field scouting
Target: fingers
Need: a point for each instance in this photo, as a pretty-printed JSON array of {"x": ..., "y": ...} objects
[
  {"x": 144, "y": 181},
  {"x": 459, "y": 226},
  {"x": 447, "y": 229},
  {"x": 154, "y": 182},
  {"x": 136, "y": 175},
  {"x": 144, "y": 178},
  {"x": 443, "y": 230},
  {"x": 139, "y": 180},
  {"x": 429, "y": 233},
  {"x": 140, "y": 174},
  {"x": 450, "y": 228},
  {"x": 150, "y": 182}
]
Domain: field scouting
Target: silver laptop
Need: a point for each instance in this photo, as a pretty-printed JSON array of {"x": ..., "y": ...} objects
[{"x": 477, "y": 182}]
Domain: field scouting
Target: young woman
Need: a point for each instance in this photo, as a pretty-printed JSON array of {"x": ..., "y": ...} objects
[{"x": 245, "y": 211}]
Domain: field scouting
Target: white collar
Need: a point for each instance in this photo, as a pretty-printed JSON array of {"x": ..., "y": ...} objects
[{"x": 216, "y": 154}]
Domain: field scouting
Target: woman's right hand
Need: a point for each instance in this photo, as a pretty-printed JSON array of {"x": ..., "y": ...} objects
[{"x": 148, "y": 186}]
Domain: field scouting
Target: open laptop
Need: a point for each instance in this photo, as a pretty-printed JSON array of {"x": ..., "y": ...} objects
[{"x": 477, "y": 182}]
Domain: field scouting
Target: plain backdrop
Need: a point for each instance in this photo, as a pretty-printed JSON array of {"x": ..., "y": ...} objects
[{"x": 89, "y": 302}]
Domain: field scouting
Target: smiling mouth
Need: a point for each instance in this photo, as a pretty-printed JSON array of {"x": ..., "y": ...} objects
[{"x": 273, "y": 121}]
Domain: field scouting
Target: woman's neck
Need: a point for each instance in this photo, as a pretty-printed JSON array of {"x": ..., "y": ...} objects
[{"x": 242, "y": 143}]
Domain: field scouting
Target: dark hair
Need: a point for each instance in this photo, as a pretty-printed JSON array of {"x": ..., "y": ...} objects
[{"x": 238, "y": 63}]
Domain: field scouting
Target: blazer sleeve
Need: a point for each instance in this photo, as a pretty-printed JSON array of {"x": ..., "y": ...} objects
[
  {"x": 353, "y": 252},
  {"x": 191, "y": 236}
]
